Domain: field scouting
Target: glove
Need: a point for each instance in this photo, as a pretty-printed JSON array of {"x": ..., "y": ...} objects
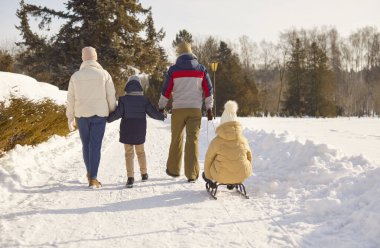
[
  {"x": 209, "y": 115},
  {"x": 163, "y": 112},
  {"x": 72, "y": 125}
]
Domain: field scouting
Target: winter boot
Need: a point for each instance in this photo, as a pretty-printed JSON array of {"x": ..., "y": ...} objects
[
  {"x": 191, "y": 180},
  {"x": 209, "y": 182},
  {"x": 144, "y": 177},
  {"x": 230, "y": 186},
  {"x": 130, "y": 182},
  {"x": 95, "y": 184}
]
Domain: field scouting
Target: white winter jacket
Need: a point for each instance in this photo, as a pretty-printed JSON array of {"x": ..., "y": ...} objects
[{"x": 91, "y": 92}]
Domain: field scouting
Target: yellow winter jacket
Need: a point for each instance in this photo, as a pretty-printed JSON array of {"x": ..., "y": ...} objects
[{"x": 228, "y": 158}]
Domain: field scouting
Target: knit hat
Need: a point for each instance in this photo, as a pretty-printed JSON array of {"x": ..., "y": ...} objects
[
  {"x": 134, "y": 86},
  {"x": 229, "y": 113},
  {"x": 183, "y": 47},
  {"x": 89, "y": 53},
  {"x": 134, "y": 78}
]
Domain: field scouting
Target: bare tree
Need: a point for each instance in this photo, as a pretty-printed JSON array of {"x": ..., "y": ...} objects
[{"x": 248, "y": 51}]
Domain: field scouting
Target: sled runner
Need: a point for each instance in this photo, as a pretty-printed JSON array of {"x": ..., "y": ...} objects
[{"x": 212, "y": 188}]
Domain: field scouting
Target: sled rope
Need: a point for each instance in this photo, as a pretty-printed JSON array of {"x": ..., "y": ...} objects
[
  {"x": 236, "y": 226},
  {"x": 293, "y": 243},
  {"x": 213, "y": 124}
]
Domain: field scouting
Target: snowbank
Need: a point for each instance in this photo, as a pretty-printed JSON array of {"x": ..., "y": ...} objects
[
  {"x": 337, "y": 193},
  {"x": 17, "y": 85}
]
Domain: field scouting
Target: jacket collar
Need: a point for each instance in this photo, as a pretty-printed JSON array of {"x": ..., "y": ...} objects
[
  {"x": 187, "y": 61},
  {"x": 135, "y": 93},
  {"x": 89, "y": 64}
]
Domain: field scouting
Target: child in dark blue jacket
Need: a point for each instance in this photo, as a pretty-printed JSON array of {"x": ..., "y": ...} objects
[{"x": 132, "y": 109}]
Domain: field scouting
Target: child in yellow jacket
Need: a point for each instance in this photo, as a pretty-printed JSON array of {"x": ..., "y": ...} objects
[{"x": 228, "y": 158}]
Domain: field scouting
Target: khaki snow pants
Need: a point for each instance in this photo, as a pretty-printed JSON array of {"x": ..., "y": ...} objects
[
  {"x": 191, "y": 119},
  {"x": 129, "y": 156}
]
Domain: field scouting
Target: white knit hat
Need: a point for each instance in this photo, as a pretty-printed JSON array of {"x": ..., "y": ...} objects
[
  {"x": 134, "y": 78},
  {"x": 89, "y": 53},
  {"x": 229, "y": 113}
]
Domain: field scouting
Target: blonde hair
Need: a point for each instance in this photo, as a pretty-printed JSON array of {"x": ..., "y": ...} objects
[{"x": 183, "y": 47}]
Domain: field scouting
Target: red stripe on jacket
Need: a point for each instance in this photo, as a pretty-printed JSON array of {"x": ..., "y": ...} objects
[
  {"x": 170, "y": 88},
  {"x": 188, "y": 73}
]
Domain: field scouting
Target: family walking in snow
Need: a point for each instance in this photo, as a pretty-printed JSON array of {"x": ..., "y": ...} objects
[{"x": 91, "y": 103}]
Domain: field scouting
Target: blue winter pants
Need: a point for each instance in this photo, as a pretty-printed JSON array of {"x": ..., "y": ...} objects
[{"x": 91, "y": 131}]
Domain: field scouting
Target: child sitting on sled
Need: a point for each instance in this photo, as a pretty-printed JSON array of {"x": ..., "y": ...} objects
[
  {"x": 228, "y": 158},
  {"x": 132, "y": 109}
]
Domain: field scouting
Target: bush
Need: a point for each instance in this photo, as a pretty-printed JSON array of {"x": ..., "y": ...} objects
[
  {"x": 26, "y": 122},
  {"x": 6, "y": 61}
]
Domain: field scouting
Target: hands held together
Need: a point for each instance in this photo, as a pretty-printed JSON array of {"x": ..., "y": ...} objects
[
  {"x": 209, "y": 114},
  {"x": 163, "y": 112}
]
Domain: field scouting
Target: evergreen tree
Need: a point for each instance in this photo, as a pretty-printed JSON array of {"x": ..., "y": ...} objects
[
  {"x": 233, "y": 83},
  {"x": 153, "y": 56},
  {"x": 156, "y": 80},
  {"x": 311, "y": 84},
  {"x": 182, "y": 36},
  {"x": 295, "y": 98},
  {"x": 313, "y": 95},
  {"x": 114, "y": 28},
  {"x": 321, "y": 87}
]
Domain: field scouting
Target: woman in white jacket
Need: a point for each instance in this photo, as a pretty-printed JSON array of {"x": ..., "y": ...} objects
[{"x": 90, "y": 99}]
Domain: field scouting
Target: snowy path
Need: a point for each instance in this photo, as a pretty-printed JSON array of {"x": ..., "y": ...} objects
[{"x": 301, "y": 195}]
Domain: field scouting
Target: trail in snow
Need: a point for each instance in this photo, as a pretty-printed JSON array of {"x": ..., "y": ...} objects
[{"x": 301, "y": 195}]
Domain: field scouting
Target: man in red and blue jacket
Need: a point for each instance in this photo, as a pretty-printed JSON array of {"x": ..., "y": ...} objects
[{"x": 188, "y": 82}]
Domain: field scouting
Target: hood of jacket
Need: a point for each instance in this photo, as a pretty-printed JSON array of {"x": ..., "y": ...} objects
[
  {"x": 229, "y": 130},
  {"x": 133, "y": 86},
  {"x": 187, "y": 61},
  {"x": 89, "y": 64}
]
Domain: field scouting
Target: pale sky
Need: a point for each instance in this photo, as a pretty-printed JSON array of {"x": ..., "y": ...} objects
[{"x": 230, "y": 19}]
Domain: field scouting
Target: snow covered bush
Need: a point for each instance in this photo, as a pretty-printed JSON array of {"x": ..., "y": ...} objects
[{"x": 28, "y": 122}]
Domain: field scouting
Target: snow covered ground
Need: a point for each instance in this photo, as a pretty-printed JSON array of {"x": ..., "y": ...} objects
[
  {"x": 354, "y": 136},
  {"x": 315, "y": 184},
  {"x": 17, "y": 85}
]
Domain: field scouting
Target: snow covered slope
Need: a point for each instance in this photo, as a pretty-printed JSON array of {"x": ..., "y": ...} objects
[
  {"x": 17, "y": 85},
  {"x": 303, "y": 192}
]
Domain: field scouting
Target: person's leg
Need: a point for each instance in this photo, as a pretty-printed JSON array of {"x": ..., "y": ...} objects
[
  {"x": 193, "y": 125},
  {"x": 174, "y": 162},
  {"x": 97, "y": 128},
  {"x": 84, "y": 133},
  {"x": 140, "y": 152},
  {"x": 129, "y": 156}
]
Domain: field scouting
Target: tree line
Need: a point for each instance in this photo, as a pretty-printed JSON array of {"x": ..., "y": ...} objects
[
  {"x": 312, "y": 72},
  {"x": 306, "y": 73},
  {"x": 316, "y": 72}
]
